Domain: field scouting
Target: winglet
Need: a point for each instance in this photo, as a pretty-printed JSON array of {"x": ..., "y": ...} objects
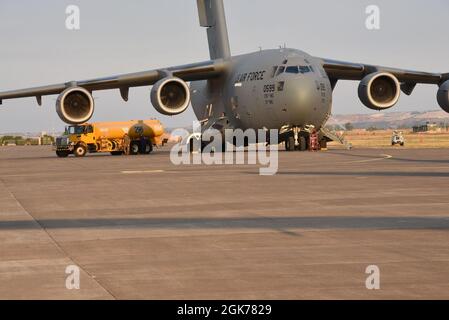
[
  {"x": 445, "y": 76},
  {"x": 39, "y": 100},
  {"x": 1, "y": 101}
]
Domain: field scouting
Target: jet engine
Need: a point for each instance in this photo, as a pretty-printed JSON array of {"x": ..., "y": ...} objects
[
  {"x": 443, "y": 96},
  {"x": 170, "y": 96},
  {"x": 75, "y": 105},
  {"x": 379, "y": 91}
]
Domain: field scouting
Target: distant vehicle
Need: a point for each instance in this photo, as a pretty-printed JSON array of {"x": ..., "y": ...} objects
[
  {"x": 117, "y": 138},
  {"x": 397, "y": 138}
]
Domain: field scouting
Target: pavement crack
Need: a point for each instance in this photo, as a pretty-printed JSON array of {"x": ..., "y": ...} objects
[{"x": 54, "y": 241}]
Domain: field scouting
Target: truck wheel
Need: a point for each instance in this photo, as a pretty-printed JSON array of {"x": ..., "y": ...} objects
[
  {"x": 302, "y": 143},
  {"x": 62, "y": 154},
  {"x": 145, "y": 149},
  {"x": 80, "y": 151},
  {"x": 148, "y": 148},
  {"x": 290, "y": 144},
  {"x": 134, "y": 148}
]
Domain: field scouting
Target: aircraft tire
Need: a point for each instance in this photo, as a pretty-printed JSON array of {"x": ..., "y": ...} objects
[
  {"x": 302, "y": 144},
  {"x": 290, "y": 144}
]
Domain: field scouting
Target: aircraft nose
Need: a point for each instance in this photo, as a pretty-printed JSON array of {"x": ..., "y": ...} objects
[{"x": 304, "y": 99}]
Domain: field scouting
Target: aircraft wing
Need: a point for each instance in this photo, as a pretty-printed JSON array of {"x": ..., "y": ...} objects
[
  {"x": 339, "y": 70},
  {"x": 191, "y": 72}
]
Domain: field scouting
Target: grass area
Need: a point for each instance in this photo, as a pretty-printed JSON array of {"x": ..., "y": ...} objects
[{"x": 382, "y": 139}]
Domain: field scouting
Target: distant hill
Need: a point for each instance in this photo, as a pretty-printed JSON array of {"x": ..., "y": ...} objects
[
  {"x": 390, "y": 120},
  {"x": 29, "y": 134},
  {"x": 380, "y": 120}
]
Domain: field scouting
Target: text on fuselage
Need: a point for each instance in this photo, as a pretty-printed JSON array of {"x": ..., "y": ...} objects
[{"x": 250, "y": 76}]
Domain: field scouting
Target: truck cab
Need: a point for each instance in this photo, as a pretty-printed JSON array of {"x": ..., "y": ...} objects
[{"x": 77, "y": 139}]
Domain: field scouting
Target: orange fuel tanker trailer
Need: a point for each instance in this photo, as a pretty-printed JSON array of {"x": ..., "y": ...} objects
[{"x": 133, "y": 137}]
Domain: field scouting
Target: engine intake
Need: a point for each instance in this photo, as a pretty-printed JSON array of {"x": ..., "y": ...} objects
[
  {"x": 75, "y": 105},
  {"x": 443, "y": 96},
  {"x": 379, "y": 91},
  {"x": 170, "y": 96}
]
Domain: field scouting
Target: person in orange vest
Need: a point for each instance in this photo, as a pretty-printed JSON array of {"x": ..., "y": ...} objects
[{"x": 314, "y": 144}]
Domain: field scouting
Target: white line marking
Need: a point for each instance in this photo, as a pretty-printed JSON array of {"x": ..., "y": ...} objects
[
  {"x": 384, "y": 157},
  {"x": 143, "y": 171}
]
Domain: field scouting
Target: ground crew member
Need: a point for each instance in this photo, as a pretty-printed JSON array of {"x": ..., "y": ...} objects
[{"x": 126, "y": 144}]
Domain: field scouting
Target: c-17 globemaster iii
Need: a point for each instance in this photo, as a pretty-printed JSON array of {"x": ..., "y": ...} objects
[{"x": 284, "y": 89}]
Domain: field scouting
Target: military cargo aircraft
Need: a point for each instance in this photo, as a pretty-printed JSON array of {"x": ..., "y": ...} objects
[{"x": 284, "y": 89}]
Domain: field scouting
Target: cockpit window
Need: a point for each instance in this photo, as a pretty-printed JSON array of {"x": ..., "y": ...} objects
[
  {"x": 292, "y": 69},
  {"x": 304, "y": 69},
  {"x": 273, "y": 72},
  {"x": 280, "y": 71}
]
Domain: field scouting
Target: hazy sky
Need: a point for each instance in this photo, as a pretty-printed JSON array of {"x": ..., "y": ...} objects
[{"x": 135, "y": 35}]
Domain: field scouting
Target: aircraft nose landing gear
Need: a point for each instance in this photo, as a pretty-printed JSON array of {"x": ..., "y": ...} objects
[{"x": 294, "y": 139}]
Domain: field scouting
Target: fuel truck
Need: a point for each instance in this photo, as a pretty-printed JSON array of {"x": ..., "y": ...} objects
[{"x": 129, "y": 137}]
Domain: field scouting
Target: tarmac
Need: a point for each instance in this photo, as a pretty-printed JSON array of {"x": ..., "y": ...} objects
[{"x": 139, "y": 227}]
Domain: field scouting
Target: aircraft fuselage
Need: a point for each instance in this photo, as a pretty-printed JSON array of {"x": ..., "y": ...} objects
[{"x": 267, "y": 89}]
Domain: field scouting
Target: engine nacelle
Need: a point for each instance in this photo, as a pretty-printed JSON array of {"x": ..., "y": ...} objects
[
  {"x": 443, "y": 96},
  {"x": 379, "y": 91},
  {"x": 75, "y": 105},
  {"x": 170, "y": 96}
]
